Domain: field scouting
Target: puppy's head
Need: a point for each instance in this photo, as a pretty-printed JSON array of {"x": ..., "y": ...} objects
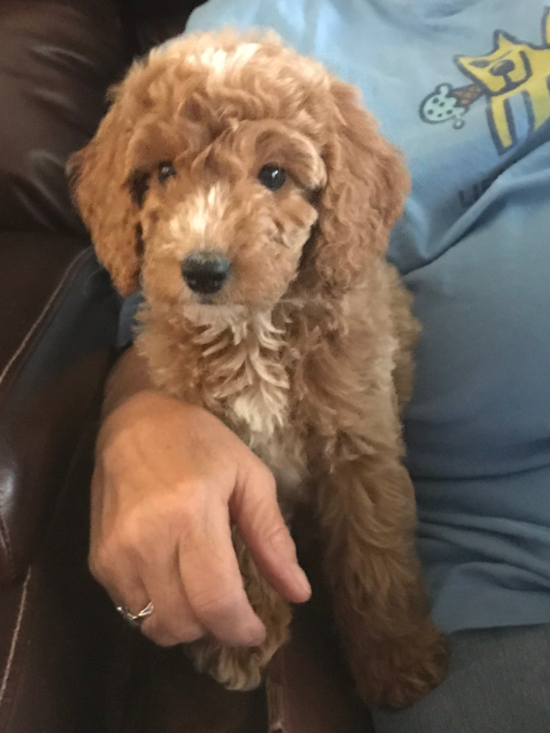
[{"x": 228, "y": 169}]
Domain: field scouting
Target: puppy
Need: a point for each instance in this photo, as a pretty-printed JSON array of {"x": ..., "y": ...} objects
[{"x": 252, "y": 197}]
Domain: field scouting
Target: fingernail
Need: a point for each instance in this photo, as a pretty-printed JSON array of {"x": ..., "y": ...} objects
[{"x": 302, "y": 583}]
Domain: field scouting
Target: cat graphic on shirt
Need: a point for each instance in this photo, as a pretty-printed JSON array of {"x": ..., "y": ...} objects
[{"x": 514, "y": 78}]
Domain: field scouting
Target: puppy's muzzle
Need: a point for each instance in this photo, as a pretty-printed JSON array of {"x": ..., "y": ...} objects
[{"x": 205, "y": 272}]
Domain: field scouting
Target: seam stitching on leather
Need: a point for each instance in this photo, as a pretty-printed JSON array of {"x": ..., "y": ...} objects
[
  {"x": 15, "y": 638},
  {"x": 9, "y": 550},
  {"x": 42, "y": 315},
  {"x": 276, "y": 698}
]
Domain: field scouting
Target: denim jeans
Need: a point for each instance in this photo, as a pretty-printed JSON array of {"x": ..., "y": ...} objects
[{"x": 498, "y": 682}]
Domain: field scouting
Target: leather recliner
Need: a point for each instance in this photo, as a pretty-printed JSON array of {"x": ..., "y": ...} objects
[{"x": 68, "y": 664}]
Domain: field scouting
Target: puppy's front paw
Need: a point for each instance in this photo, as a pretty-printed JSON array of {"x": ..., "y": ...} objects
[
  {"x": 241, "y": 668},
  {"x": 236, "y": 668},
  {"x": 398, "y": 672}
]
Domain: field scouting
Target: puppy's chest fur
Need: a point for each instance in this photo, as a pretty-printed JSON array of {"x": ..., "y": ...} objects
[{"x": 242, "y": 374}]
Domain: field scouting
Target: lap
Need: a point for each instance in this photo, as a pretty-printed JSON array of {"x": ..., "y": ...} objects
[{"x": 498, "y": 682}]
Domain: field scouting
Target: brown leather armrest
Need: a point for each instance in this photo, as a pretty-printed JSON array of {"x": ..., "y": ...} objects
[
  {"x": 151, "y": 22},
  {"x": 308, "y": 683},
  {"x": 57, "y": 59},
  {"x": 58, "y": 317}
]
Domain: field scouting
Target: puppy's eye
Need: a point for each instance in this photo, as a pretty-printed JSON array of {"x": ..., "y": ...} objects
[
  {"x": 272, "y": 176},
  {"x": 165, "y": 171}
]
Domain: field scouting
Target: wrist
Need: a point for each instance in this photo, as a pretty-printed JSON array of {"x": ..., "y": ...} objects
[{"x": 144, "y": 410}]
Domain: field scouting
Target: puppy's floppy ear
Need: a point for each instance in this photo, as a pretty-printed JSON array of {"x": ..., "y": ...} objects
[
  {"x": 366, "y": 188},
  {"x": 109, "y": 197}
]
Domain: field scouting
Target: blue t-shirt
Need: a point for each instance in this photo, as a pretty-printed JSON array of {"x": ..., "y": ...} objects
[{"x": 463, "y": 88}]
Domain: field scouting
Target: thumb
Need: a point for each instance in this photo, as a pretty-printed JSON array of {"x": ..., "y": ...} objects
[{"x": 255, "y": 511}]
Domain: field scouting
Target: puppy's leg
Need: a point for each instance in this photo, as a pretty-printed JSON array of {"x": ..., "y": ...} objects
[
  {"x": 241, "y": 668},
  {"x": 367, "y": 509}
]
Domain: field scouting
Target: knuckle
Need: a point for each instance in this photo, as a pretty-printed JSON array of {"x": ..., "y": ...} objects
[
  {"x": 188, "y": 510},
  {"x": 166, "y": 641},
  {"x": 113, "y": 446},
  {"x": 185, "y": 516},
  {"x": 279, "y": 537},
  {"x": 129, "y": 538},
  {"x": 266, "y": 478},
  {"x": 168, "y": 634},
  {"x": 190, "y": 491},
  {"x": 160, "y": 636},
  {"x": 212, "y": 605},
  {"x": 192, "y": 633},
  {"x": 101, "y": 562},
  {"x": 188, "y": 632},
  {"x": 132, "y": 532}
]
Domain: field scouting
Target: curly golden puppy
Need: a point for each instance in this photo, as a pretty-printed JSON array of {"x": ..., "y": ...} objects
[{"x": 253, "y": 197}]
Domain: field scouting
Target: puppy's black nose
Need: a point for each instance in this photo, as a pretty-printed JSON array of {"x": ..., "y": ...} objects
[{"x": 205, "y": 272}]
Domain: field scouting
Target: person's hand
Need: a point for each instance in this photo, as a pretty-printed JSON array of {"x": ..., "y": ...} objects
[{"x": 169, "y": 480}]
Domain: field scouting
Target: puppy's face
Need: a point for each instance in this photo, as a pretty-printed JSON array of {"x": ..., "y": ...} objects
[
  {"x": 224, "y": 218},
  {"x": 218, "y": 156}
]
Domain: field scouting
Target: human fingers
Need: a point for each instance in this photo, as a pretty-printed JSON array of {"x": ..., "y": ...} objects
[
  {"x": 256, "y": 512},
  {"x": 173, "y": 620},
  {"x": 212, "y": 580}
]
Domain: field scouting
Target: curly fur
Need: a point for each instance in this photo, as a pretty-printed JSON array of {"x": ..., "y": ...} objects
[{"x": 306, "y": 352}]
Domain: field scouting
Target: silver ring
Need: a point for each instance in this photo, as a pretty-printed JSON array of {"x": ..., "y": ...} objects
[{"x": 136, "y": 619}]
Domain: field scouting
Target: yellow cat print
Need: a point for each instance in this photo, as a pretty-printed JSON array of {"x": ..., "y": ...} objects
[{"x": 514, "y": 78}]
